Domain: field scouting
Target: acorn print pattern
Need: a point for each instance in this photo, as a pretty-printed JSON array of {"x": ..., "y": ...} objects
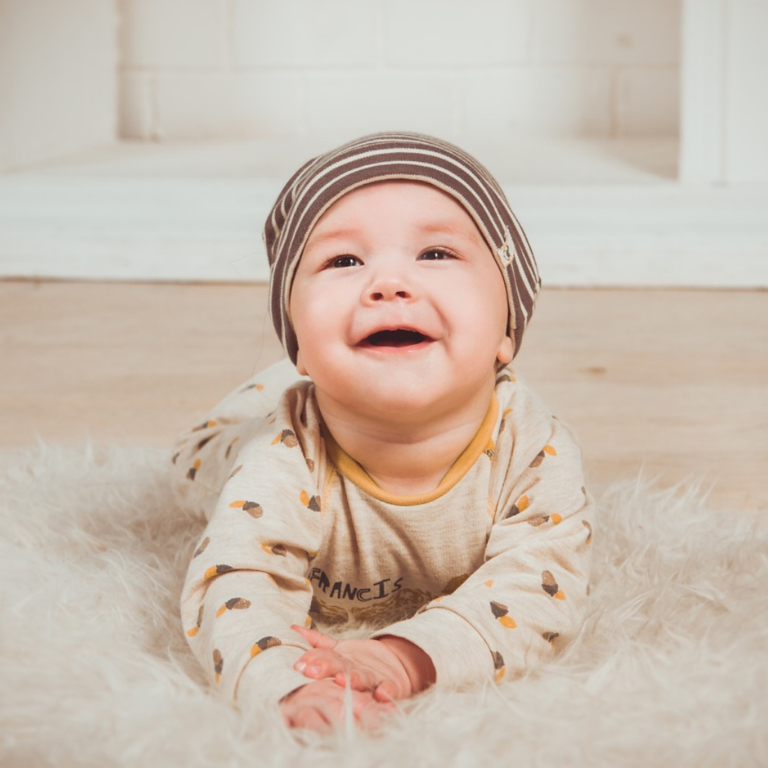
[
  {"x": 536, "y": 521},
  {"x": 203, "y": 544},
  {"x": 589, "y": 530},
  {"x": 547, "y": 450},
  {"x": 500, "y": 611},
  {"x": 194, "y": 469},
  {"x": 489, "y": 449},
  {"x": 229, "y": 449},
  {"x": 310, "y": 502},
  {"x": 505, "y": 377},
  {"x": 218, "y": 664},
  {"x": 519, "y": 506},
  {"x": 205, "y": 425},
  {"x": 217, "y": 570},
  {"x": 549, "y": 585},
  {"x": 287, "y": 437},
  {"x": 498, "y": 666},
  {"x": 218, "y": 613},
  {"x": 192, "y": 632},
  {"x": 257, "y": 387},
  {"x": 263, "y": 644},
  {"x": 233, "y": 604},
  {"x": 251, "y": 507},
  {"x": 504, "y": 419}
]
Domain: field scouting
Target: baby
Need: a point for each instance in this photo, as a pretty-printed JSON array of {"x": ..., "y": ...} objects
[{"x": 408, "y": 483}]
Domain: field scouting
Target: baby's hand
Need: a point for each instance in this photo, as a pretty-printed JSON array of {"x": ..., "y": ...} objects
[
  {"x": 321, "y": 704},
  {"x": 391, "y": 667}
]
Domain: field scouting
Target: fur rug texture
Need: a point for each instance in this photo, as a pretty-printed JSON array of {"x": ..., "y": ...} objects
[{"x": 671, "y": 668}]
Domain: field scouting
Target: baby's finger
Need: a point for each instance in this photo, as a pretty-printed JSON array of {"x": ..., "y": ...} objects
[
  {"x": 319, "y": 664},
  {"x": 314, "y": 637},
  {"x": 386, "y": 692},
  {"x": 311, "y": 719},
  {"x": 358, "y": 680},
  {"x": 370, "y": 716}
]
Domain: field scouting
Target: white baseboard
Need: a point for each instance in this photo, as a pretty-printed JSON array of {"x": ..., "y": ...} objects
[{"x": 121, "y": 218}]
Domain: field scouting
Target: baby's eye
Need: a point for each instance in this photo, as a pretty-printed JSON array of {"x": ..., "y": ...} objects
[
  {"x": 344, "y": 261},
  {"x": 436, "y": 254}
]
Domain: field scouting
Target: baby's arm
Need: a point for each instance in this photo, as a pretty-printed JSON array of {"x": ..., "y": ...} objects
[
  {"x": 246, "y": 583},
  {"x": 204, "y": 455},
  {"x": 530, "y": 594}
]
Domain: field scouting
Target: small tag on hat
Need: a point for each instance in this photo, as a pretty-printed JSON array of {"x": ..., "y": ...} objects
[{"x": 507, "y": 249}]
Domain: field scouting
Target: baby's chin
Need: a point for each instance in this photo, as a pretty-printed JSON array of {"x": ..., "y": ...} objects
[{"x": 403, "y": 402}]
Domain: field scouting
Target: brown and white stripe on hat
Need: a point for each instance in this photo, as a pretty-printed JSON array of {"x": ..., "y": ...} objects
[{"x": 391, "y": 157}]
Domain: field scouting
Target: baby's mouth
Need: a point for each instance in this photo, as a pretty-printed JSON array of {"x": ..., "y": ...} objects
[{"x": 399, "y": 337}]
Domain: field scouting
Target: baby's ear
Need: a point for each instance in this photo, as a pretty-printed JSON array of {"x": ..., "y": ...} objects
[
  {"x": 506, "y": 351},
  {"x": 300, "y": 365}
]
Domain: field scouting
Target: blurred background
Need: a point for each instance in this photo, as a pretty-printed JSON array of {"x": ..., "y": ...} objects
[
  {"x": 146, "y": 139},
  {"x": 142, "y": 143}
]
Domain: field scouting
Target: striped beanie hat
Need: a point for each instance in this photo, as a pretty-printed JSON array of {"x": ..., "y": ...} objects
[{"x": 391, "y": 157}]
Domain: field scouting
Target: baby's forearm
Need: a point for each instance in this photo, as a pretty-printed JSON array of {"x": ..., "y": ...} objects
[{"x": 418, "y": 666}]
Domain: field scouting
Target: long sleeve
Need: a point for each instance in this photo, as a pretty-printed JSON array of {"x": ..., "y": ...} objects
[
  {"x": 529, "y": 595},
  {"x": 246, "y": 583},
  {"x": 204, "y": 455}
]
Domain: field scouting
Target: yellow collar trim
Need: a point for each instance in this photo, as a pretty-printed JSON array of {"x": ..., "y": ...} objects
[{"x": 481, "y": 442}]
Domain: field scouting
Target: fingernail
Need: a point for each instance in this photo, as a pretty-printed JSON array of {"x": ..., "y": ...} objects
[{"x": 300, "y": 666}]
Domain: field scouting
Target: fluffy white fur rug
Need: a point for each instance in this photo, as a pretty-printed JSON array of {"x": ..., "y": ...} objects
[{"x": 671, "y": 668}]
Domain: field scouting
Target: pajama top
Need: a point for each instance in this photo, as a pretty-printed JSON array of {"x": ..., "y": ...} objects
[{"x": 488, "y": 573}]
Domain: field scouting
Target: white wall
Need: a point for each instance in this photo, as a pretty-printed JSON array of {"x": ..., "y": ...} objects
[
  {"x": 468, "y": 71},
  {"x": 724, "y": 135},
  {"x": 58, "y": 92},
  {"x": 746, "y": 87},
  {"x": 500, "y": 77}
]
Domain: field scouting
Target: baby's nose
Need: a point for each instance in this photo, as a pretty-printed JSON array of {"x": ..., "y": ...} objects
[{"x": 388, "y": 289}]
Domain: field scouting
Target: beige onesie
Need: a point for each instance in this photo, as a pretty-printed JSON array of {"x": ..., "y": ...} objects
[{"x": 488, "y": 574}]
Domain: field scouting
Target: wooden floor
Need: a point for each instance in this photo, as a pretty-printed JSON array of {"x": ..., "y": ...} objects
[{"x": 675, "y": 382}]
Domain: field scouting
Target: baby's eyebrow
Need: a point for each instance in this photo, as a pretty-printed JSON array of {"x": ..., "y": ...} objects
[
  {"x": 440, "y": 227},
  {"x": 450, "y": 228},
  {"x": 333, "y": 234}
]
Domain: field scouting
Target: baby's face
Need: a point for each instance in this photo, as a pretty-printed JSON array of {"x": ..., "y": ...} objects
[{"x": 397, "y": 302}]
